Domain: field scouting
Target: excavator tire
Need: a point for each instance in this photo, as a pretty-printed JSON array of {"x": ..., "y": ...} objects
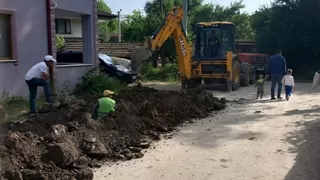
[
  {"x": 228, "y": 85},
  {"x": 253, "y": 75},
  {"x": 236, "y": 75},
  {"x": 245, "y": 74},
  {"x": 183, "y": 84},
  {"x": 198, "y": 81},
  {"x": 193, "y": 83}
]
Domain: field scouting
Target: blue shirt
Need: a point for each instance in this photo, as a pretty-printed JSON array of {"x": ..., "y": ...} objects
[{"x": 277, "y": 65}]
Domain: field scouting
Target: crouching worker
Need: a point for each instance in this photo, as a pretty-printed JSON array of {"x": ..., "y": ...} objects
[{"x": 104, "y": 106}]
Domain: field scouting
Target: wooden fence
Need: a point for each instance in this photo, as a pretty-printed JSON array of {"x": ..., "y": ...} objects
[{"x": 123, "y": 50}]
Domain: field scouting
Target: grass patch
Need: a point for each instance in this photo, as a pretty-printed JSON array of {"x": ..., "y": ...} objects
[{"x": 15, "y": 107}]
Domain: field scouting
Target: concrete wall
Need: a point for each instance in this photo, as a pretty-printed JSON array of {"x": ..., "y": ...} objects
[
  {"x": 30, "y": 40},
  {"x": 68, "y": 76},
  {"x": 84, "y": 23},
  {"x": 29, "y": 32},
  {"x": 80, "y": 6}
]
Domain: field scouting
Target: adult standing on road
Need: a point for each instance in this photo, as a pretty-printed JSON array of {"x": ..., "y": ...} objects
[
  {"x": 38, "y": 76},
  {"x": 277, "y": 68}
]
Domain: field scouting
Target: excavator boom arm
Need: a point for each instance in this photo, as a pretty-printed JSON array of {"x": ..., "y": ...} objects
[
  {"x": 183, "y": 52},
  {"x": 172, "y": 26}
]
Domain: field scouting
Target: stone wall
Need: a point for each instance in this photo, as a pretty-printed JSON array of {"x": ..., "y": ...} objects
[
  {"x": 53, "y": 28},
  {"x": 53, "y": 44},
  {"x": 123, "y": 50}
]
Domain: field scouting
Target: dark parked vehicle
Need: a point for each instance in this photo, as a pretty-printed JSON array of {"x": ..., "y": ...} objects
[
  {"x": 109, "y": 66},
  {"x": 117, "y": 70},
  {"x": 70, "y": 57}
]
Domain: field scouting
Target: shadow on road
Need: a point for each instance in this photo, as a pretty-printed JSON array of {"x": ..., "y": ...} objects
[
  {"x": 215, "y": 131},
  {"x": 306, "y": 145},
  {"x": 304, "y": 112},
  {"x": 245, "y": 111}
]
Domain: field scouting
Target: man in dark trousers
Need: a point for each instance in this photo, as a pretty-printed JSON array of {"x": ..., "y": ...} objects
[
  {"x": 37, "y": 76},
  {"x": 277, "y": 68}
]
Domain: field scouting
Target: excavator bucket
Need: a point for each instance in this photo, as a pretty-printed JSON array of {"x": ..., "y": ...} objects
[
  {"x": 147, "y": 43},
  {"x": 138, "y": 55}
]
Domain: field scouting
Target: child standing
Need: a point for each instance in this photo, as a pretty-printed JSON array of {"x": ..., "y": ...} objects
[
  {"x": 288, "y": 82},
  {"x": 260, "y": 86}
]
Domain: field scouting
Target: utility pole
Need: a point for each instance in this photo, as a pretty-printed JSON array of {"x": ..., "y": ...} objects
[
  {"x": 185, "y": 15},
  {"x": 119, "y": 26},
  {"x": 161, "y": 8}
]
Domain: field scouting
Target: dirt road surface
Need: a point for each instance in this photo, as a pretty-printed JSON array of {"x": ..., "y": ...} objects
[{"x": 252, "y": 140}]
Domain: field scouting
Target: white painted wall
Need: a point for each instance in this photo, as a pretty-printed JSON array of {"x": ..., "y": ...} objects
[{"x": 76, "y": 29}]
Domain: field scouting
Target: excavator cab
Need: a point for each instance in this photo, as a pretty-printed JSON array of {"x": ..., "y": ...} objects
[
  {"x": 213, "y": 41},
  {"x": 214, "y": 54}
]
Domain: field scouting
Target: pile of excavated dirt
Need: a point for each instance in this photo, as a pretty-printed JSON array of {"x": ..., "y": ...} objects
[{"x": 66, "y": 143}]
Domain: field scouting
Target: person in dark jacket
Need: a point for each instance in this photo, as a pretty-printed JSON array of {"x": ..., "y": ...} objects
[{"x": 277, "y": 68}]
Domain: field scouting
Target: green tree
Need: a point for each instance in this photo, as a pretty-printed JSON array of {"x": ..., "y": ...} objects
[
  {"x": 105, "y": 27},
  {"x": 138, "y": 25},
  {"x": 133, "y": 27},
  {"x": 293, "y": 26},
  {"x": 232, "y": 13},
  {"x": 261, "y": 21},
  {"x": 154, "y": 19}
]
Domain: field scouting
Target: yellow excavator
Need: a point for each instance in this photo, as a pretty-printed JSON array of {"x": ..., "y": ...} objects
[{"x": 214, "y": 58}]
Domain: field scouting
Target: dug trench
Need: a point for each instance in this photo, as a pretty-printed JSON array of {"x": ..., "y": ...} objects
[{"x": 65, "y": 143}]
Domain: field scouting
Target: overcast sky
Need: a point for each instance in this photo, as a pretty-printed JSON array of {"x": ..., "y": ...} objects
[{"x": 128, "y": 6}]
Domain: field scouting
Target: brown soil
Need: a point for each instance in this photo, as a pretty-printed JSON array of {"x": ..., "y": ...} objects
[{"x": 64, "y": 143}]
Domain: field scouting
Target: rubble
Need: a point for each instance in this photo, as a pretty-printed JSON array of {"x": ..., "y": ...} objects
[
  {"x": 65, "y": 142},
  {"x": 85, "y": 174},
  {"x": 63, "y": 154}
]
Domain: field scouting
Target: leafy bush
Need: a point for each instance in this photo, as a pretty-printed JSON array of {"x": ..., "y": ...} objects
[
  {"x": 94, "y": 82},
  {"x": 167, "y": 73},
  {"x": 60, "y": 43}
]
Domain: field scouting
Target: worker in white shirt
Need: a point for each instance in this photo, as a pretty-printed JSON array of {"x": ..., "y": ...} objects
[
  {"x": 38, "y": 75},
  {"x": 288, "y": 82}
]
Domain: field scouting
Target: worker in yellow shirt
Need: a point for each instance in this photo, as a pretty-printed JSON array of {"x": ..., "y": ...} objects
[{"x": 104, "y": 106}]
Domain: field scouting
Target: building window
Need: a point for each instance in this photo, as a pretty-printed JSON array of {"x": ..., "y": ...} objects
[
  {"x": 63, "y": 26},
  {"x": 5, "y": 37}
]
